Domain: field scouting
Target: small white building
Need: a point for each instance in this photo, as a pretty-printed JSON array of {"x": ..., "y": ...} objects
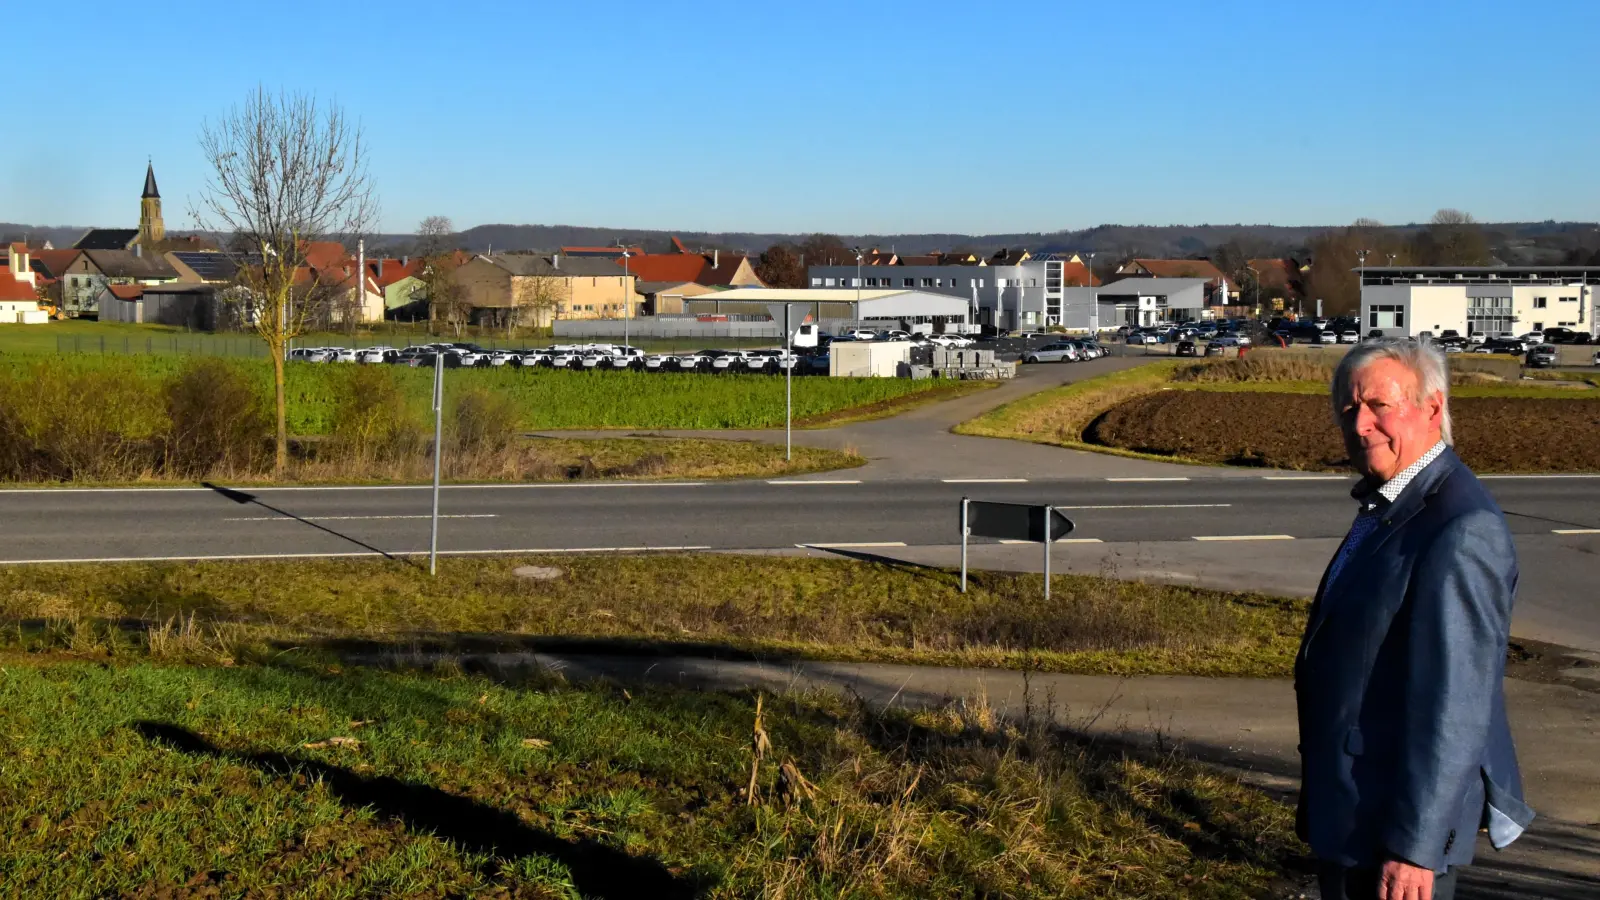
[{"x": 1407, "y": 301}]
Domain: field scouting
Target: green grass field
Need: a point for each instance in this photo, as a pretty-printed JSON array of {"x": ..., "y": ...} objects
[
  {"x": 83, "y": 336},
  {"x": 230, "y": 729},
  {"x": 811, "y": 608},
  {"x": 545, "y": 399},
  {"x": 125, "y": 778}
]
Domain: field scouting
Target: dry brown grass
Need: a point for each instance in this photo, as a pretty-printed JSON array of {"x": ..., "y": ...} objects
[
  {"x": 1259, "y": 366},
  {"x": 1059, "y": 415}
]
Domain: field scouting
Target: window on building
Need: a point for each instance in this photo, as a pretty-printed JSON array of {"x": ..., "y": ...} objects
[
  {"x": 955, "y": 282},
  {"x": 827, "y": 282},
  {"x": 908, "y": 282},
  {"x": 981, "y": 281},
  {"x": 927, "y": 282},
  {"x": 938, "y": 282},
  {"x": 816, "y": 282},
  {"x": 1538, "y": 326},
  {"x": 1489, "y": 315},
  {"x": 1541, "y": 302},
  {"x": 1386, "y": 317}
]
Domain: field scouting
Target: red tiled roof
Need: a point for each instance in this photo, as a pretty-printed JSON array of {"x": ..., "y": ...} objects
[
  {"x": 12, "y": 289},
  {"x": 126, "y": 291},
  {"x": 53, "y": 262},
  {"x": 674, "y": 267},
  {"x": 1077, "y": 275},
  {"x": 1180, "y": 268},
  {"x": 321, "y": 254},
  {"x": 393, "y": 270}
]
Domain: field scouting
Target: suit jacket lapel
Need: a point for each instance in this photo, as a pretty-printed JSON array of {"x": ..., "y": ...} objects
[{"x": 1411, "y": 501}]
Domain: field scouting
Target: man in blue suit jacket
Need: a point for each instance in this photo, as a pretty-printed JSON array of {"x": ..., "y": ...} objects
[{"x": 1405, "y": 750}]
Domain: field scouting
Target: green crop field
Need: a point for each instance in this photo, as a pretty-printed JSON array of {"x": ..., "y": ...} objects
[
  {"x": 83, "y": 336},
  {"x": 544, "y": 399}
]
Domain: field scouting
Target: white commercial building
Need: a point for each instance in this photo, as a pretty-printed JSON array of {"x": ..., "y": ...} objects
[
  {"x": 1028, "y": 294},
  {"x": 1409, "y": 301},
  {"x": 836, "y": 308}
]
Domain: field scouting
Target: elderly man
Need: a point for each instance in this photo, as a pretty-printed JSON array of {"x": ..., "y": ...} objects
[{"x": 1405, "y": 750}]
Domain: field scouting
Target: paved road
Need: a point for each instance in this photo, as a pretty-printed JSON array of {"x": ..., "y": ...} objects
[{"x": 1258, "y": 532}]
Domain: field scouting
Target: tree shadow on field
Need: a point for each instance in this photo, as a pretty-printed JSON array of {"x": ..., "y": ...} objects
[{"x": 597, "y": 870}]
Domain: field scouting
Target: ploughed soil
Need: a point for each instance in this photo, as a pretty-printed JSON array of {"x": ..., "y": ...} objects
[{"x": 1296, "y": 431}]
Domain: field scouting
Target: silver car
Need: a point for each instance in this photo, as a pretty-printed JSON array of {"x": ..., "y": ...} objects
[{"x": 1061, "y": 351}]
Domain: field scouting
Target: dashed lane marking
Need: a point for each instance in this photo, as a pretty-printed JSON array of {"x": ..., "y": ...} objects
[
  {"x": 851, "y": 546},
  {"x": 1576, "y": 531},
  {"x": 1169, "y": 478},
  {"x": 226, "y": 556},
  {"x": 984, "y": 480},
  {"x": 1244, "y": 537},
  {"x": 352, "y": 518},
  {"x": 816, "y": 481}
]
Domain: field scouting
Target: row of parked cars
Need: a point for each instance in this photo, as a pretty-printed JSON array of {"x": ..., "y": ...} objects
[
  {"x": 578, "y": 357},
  {"x": 1076, "y": 350}
]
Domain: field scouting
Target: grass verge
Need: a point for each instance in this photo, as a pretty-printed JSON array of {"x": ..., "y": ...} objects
[
  {"x": 529, "y": 460},
  {"x": 711, "y": 604},
  {"x": 149, "y": 780},
  {"x": 894, "y": 406}
]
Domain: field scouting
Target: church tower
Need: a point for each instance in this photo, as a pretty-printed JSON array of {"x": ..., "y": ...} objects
[{"x": 151, "y": 229}]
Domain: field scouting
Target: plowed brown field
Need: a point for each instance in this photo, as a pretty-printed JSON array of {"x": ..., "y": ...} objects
[{"x": 1296, "y": 431}]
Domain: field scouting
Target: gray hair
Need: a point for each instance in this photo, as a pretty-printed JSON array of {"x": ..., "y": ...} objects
[{"x": 1423, "y": 359}]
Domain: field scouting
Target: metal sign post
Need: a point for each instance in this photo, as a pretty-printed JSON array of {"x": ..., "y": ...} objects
[
  {"x": 438, "y": 453},
  {"x": 788, "y": 388},
  {"x": 1012, "y": 522}
]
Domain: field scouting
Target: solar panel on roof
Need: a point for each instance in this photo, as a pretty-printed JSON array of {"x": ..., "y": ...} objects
[{"x": 210, "y": 266}]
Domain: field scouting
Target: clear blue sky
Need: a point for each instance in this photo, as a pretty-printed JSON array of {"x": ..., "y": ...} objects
[{"x": 888, "y": 117}]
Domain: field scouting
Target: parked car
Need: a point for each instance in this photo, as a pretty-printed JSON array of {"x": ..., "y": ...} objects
[
  {"x": 727, "y": 361},
  {"x": 1597, "y": 358},
  {"x": 1501, "y": 345},
  {"x": 449, "y": 359},
  {"x": 532, "y": 359},
  {"x": 770, "y": 361},
  {"x": 1061, "y": 351},
  {"x": 1327, "y": 336},
  {"x": 860, "y": 334},
  {"x": 893, "y": 335},
  {"x": 693, "y": 362},
  {"x": 623, "y": 357},
  {"x": 1542, "y": 357},
  {"x": 309, "y": 354},
  {"x": 1185, "y": 348},
  {"x": 660, "y": 362},
  {"x": 1143, "y": 337},
  {"x": 1566, "y": 336},
  {"x": 1349, "y": 336},
  {"x": 1221, "y": 346}
]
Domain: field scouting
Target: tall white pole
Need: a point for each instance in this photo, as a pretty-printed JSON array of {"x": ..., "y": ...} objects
[
  {"x": 361, "y": 286},
  {"x": 438, "y": 453},
  {"x": 788, "y": 388},
  {"x": 627, "y": 301}
]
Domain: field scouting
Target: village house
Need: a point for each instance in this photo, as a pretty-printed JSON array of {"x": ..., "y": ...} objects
[{"x": 529, "y": 289}]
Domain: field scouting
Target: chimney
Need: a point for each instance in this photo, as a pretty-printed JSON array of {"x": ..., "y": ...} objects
[
  {"x": 715, "y": 255},
  {"x": 555, "y": 260},
  {"x": 405, "y": 260},
  {"x": 138, "y": 249},
  {"x": 380, "y": 267}
]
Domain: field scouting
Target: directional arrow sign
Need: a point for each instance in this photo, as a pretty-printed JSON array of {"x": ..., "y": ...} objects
[{"x": 1015, "y": 521}]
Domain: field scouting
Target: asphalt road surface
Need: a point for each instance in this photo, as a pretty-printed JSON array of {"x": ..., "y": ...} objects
[{"x": 1268, "y": 532}]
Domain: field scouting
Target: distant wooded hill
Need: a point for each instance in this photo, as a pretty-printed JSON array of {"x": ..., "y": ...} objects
[{"x": 1519, "y": 243}]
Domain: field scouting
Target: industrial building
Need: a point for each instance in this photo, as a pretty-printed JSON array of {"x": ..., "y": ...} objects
[
  {"x": 835, "y": 308},
  {"x": 1021, "y": 292},
  {"x": 1489, "y": 300}
]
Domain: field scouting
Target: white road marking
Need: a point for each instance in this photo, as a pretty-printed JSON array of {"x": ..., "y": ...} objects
[
  {"x": 1481, "y": 477},
  {"x": 1152, "y": 506},
  {"x": 364, "y": 553},
  {"x": 850, "y": 546},
  {"x": 1060, "y": 540},
  {"x": 261, "y": 489},
  {"x": 1244, "y": 537},
  {"x": 287, "y": 518},
  {"x": 1173, "y": 478},
  {"x": 1576, "y": 531},
  {"x": 1305, "y": 478},
  {"x": 984, "y": 480},
  {"x": 818, "y": 481}
]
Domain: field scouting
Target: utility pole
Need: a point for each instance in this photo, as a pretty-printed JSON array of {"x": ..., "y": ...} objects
[
  {"x": 627, "y": 301},
  {"x": 361, "y": 286},
  {"x": 438, "y": 452}
]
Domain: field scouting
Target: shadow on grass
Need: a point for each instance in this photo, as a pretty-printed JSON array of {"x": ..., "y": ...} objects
[{"x": 597, "y": 870}]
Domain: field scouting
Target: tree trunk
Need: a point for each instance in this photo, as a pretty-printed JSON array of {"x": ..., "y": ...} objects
[{"x": 280, "y": 459}]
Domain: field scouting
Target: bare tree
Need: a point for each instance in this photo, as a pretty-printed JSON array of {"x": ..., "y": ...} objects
[
  {"x": 286, "y": 171},
  {"x": 541, "y": 296},
  {"x": 447, "y": 300}
]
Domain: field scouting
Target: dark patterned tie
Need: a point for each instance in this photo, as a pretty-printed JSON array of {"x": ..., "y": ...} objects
[{"x": 1364, "y": 524}]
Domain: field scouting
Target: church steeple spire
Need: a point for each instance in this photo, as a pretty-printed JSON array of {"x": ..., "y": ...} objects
[{"x": 152, "y": 230}]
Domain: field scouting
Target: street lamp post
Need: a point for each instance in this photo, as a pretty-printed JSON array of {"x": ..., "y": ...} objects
[
  {"x": 859, "y": 259},
  {"x": 627, "y": 302},
  {"x": 1094, "y": 301},
  {"x": 1361, "y": 282}
]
